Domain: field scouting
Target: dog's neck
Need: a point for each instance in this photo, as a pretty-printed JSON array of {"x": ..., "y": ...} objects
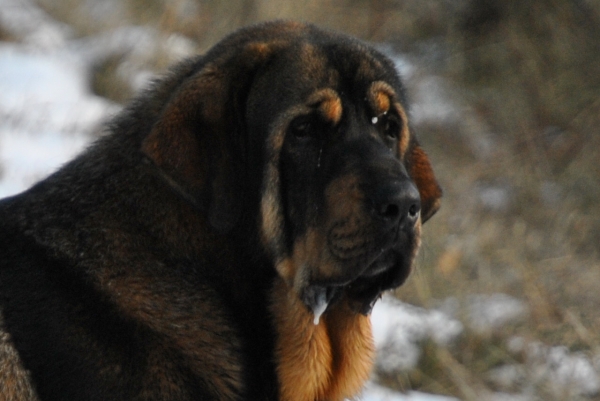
[{"x": 328, "y": 361}]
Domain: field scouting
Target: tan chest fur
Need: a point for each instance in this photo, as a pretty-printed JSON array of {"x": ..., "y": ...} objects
[{"x": 329, "y": 361}]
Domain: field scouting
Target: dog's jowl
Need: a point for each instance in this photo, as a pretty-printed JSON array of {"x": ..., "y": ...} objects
[{"x": 228, "y": 236}]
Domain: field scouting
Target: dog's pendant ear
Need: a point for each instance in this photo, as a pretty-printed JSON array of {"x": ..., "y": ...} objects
[
  {"x": 420, "y": 171},
  {"x": 197, "y": 140}
]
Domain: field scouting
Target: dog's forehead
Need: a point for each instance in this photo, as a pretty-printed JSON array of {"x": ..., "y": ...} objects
[
  {"x": 346, "y": 66},
  {"x": 323, "y": 73},
  {"x": 306, "y": 67}
]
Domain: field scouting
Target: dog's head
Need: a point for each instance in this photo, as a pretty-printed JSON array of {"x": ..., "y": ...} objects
[{"x": 314, "y": 126}]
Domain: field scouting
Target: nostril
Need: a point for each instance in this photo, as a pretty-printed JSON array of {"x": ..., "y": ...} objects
[
  {"x": 390, "y": 211},
  {"x": 396, "y": 203}
]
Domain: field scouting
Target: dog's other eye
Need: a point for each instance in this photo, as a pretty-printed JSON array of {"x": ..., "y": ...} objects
[
  {"x": 390, "y": 126},
  {"x": 301, "y": 127}
]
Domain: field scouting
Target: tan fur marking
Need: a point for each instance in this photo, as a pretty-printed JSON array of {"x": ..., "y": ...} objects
[
  {"x": 303, "y": 351},
  {"x": 344, "y": 198},
  {"x": 404, "y": 132},
  {"x": 329, "y": 361},
  {"x": 270, "y": 211},
  {"x": 328, "y": 103},
  {"x": 351, "y": 337},
  {"x": 287, "y": 270},
  {"x": 380, "y": 95},
  {"x": 270, "y": 207},
  {"x": 271, "y": 214},
  {"x": 332, "y": 110},
  {"x": 311, "y": 256},
  {"x": 272, "y": 235},
  {"x": 429, "y": 189},
  {"x": 382, "y": 103}
]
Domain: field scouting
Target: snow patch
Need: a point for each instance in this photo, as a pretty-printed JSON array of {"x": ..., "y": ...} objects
[
  {"x": 508, "y": 397},
  {"x": 431, "y": 102},
  {"x": 374, "y": 392},
  {"x": 487, "y": 313},
  {"x": 398, "y": 328},
  {"x": 137, "y": 46},
  {"x": 47, "y": 114},
  {"x": 25, "y": 20},
  {"x": 561, "y": 369}
]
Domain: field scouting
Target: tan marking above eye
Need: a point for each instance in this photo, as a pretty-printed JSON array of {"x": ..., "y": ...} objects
[
  {"x": 382, "y": 101},
  {"x": 328, "y": 104},
  {"x": 380, "y": 97}
]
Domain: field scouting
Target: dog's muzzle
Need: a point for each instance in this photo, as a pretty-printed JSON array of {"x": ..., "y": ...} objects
[{"x": 376, "y": 251}]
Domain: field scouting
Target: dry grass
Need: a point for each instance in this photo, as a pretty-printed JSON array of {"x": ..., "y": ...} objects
[{"x": 531, "y": 76}]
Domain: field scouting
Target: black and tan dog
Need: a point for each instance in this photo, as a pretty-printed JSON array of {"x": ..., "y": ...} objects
[{"x": 227, "y": 239}]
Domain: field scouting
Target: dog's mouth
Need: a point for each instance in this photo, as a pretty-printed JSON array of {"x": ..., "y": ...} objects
[
  {"x": 385, "y": 261},
  {"x": 387, "y": 267}
]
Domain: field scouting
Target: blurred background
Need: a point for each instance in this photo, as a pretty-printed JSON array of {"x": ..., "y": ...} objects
[{"x": 506, "y": 101}]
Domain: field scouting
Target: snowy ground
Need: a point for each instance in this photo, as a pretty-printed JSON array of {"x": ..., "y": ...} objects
[{"x": 48, "y": 115}]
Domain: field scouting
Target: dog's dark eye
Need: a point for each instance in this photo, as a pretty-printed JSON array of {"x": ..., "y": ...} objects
[
  {"x": 391, "y": 127},
  {"x": 301, "y": 127}
]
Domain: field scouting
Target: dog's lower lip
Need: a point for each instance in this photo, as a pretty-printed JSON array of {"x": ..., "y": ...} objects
[{"x": 382, "y": 262}]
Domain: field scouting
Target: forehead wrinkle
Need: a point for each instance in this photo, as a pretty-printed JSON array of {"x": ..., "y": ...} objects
[
  {"x": 333, "y": 78},
  {"x": 312, "y": 63},
  {"x": 367, "y": 67},
  {"x": 277, "y": 128}
]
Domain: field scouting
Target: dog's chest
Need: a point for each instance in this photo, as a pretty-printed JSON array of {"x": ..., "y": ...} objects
[{"x": 327, "y": 361}]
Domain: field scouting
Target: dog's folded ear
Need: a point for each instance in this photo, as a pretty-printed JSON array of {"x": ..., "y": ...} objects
[
  {"x": 420, "y": 170},
  {"x": 196, "y": 141}
]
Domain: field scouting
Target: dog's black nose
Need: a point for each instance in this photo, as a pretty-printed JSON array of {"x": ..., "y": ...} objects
[{"x": 397, "y": 203}]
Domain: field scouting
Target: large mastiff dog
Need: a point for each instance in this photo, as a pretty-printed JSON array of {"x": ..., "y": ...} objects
[{"x": 229, "y": 236}]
